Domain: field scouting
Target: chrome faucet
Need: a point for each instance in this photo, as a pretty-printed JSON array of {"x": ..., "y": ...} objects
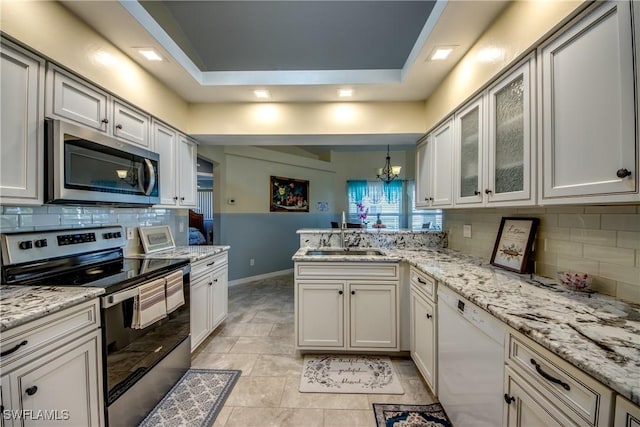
[{"x": 343, "y": 239}]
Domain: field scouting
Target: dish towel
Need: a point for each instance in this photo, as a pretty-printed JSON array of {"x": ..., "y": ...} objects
[
  {"x": 150, "y": 304},
  {"x": 175, "y": 291}
]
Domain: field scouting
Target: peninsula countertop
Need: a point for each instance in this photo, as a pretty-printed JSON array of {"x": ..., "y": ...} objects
[
  {"x": 598, "y": 334},
  {"x": 22, "y": 304}
]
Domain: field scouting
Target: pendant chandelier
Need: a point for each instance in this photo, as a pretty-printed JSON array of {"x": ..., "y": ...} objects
[{"x": 388, "y": 173}]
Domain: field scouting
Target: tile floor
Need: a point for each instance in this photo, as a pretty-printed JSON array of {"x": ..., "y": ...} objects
[{"x": 258, "y": 339}]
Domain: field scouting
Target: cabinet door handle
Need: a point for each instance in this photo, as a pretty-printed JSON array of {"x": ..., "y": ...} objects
[
  {"x": 509, "y": 399},
  {"x": 477, "y": 193},
  {"x": 549, "y": 377},
  {"x": 182, "y": 199},
  {"x": 13, "y": 349},
  {"x": 340, "y": 292},
  {"x": 175, "y": 198},
  {"x": 119, "y": 127},
  {"x": 429, "y": 316},
  {"x": 421, "y": 281},
  {"x": 426, "y": 199},
  {"x": 623, "y": 173},
  {"x": 105, "y": 121},
  {"x": 31, "y": 390},
  {"x": 210, "y": 283},
  {"x": 211, "y": 263},
  {"x": 215, "y": 280},
  {"x": 353, "y": 292},
  {"x": 487, "y": 191}
]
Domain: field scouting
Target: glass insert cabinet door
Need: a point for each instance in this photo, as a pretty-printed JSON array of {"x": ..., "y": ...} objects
[
  {"x": 470, "y": 144},
  {"x": 509, "y": 142}
]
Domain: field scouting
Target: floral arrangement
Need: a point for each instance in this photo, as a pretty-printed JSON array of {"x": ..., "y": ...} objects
[{"x": 362, "y": 212}]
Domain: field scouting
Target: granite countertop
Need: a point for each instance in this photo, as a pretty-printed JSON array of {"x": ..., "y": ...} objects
[
  {"x": 194, "y": 253},
  {"x": 364, "y": 230},
  {"x": 22, "y": 304},
  {"x": 598, "y": 334}
]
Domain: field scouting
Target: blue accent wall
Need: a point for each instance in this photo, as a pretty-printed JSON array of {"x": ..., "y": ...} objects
[{"x": 269, "y": 238}]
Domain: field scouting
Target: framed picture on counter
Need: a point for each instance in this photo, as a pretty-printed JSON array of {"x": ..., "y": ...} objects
[
  {"x": 288, "y": 195},
  {"x": 514, "y": 245}
]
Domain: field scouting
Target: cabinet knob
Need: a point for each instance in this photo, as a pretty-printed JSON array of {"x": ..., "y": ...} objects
[
  {"x": 182, "y": 198},
  {"x": 210, "y": 283},
  {"x": 215, "y": 281},
  {"x": 487, "y": 191},
  {"x": 509, "y": 399},
  {"x": 31, "y": 390},
  {"x": 426, "y": 199},
  {"x": 340, "y": 292},
  {"x": 119, "y": 127},
  {"x": 429, "y": 316},
  {"x": 477, "y": 193},
  {"x": 623, "y": 173},
  {"x": 353, "y": 292},
  {"x": 175, "y": 198},
  {"x": 105, "y": 121}
]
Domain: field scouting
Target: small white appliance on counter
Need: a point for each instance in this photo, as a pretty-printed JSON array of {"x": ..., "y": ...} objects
[{"x": 471, "y": 362}]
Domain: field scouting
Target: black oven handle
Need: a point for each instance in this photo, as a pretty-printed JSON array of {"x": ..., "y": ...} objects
[{"x": 152, "y": 177}]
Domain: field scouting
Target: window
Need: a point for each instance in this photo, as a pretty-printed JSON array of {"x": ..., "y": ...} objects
[{"x": 393, "y": 204}]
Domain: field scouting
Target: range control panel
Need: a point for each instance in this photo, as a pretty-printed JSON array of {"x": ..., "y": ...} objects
[{"x": 39, "y": 245}]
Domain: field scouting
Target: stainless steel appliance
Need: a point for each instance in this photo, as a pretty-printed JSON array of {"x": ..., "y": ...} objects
[
  {"x": 140, "y": 365},
  {"x": 85, "y": 167}
]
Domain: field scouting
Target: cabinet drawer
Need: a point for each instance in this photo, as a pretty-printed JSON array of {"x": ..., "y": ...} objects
[
  {"x": 423, "y": 283},
  {"x": 209, "y": 264},
  {"x": 50, "y": 330},
  {"x": 346, "y": 270},
  {"x": 573, "y": 390}
]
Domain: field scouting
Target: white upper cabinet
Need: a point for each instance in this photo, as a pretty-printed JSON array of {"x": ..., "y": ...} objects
[
  {"x": 21, "y": 126},
  {"x": 434, "y": 168},
  {"x": 72, "y": 99},
  {"x": 469, "y": 147},
  {"x": 423, "y": 180},
  {"x": 130, "y": 125},
  {"x": 510, "y": 153},
  {"x": 588, "y": 140},
  {"x": 177, "y": 169}
]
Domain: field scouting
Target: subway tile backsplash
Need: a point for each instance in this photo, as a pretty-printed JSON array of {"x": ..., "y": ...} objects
[
  {"x": 26, "y": 218},
  {"x": 600, "y": 240}
]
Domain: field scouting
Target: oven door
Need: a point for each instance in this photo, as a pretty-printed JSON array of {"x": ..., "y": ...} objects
[
  {"x": 132, "y": 354},
  {"x": 90, "y": 168}
]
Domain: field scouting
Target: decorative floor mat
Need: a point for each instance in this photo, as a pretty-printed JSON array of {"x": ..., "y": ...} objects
[
  {"x": 394, "y": 415},
  {"x": 349, "y": 374},
  {"x": 195, "y": 400}
]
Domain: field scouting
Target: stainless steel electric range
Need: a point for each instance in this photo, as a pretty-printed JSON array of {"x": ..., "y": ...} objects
[{"x": 139, "y": 365}]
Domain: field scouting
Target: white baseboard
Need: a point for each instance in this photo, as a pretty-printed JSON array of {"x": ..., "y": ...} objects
[{"x": 260, "y": 277}]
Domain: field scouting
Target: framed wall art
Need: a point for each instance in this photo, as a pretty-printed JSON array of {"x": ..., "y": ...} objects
[
  {"x": 514, "y": 245},
  {"x": 288, "y": 195}
]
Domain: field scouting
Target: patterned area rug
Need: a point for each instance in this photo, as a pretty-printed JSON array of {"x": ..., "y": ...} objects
[
  {"x": 349, "y": 374},
  {"x": 195, "y": 400},
  {"x": 393, "y": 415}
]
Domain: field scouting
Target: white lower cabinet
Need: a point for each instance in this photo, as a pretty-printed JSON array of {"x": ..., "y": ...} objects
[
  {"x": 343, "y": 312},
  {"x": 627, "y": 414},
  {"x": 423, "y": 326},
  {"x": 541, "y": 389},
  {"x": 209, "y": 296},
  {"x": 527, "y": 407},
  {"x": 53, "y": 373}
]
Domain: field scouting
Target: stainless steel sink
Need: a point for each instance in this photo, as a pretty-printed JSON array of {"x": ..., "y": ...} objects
[{"x": 343, "y": 252}]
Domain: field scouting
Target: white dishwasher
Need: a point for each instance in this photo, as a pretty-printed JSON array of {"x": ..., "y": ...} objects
[{"x": 471, "y": 362}]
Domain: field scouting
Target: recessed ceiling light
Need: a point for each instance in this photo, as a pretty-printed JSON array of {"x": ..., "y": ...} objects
[
  {"x": 440, "y": 53},
  {"x": 262, "y": 93},
  {"x": 150, "y": 54},
  {"x": 345, "y": 93}
]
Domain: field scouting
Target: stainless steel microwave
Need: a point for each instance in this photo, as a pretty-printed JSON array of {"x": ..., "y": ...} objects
[{"x": 88, "y": 168}]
